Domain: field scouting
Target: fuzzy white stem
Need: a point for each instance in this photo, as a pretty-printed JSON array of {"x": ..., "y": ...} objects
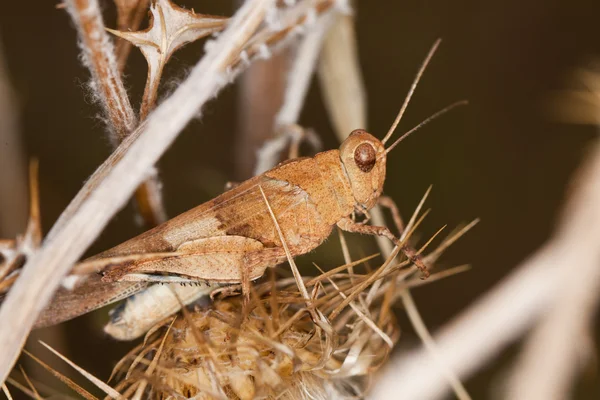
[
  {"x": 99, "y": 56},
  {"x": 114, "y": 182},
  {"x": 504, "y": 313}
]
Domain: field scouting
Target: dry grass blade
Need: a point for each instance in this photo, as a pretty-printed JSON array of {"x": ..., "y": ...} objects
[
  {"x": 21, "y": 387},
  {"x": 317, "y": 316},
  {"x": 361, "y": 287},
  {"x": 416, "y": 282},
  {"x": 362, "y": 315},
  {"x": 449, "y": 241},
  {"x": 295, "y": 271},
  {"x": 101, "y": 385},
  {"x": 110, "y": 187},
  {"x": 31, "y": 386},
  {"x": 417, "y": 321},
  {"x": 6, "y": 392},
  {"x": 430, "y": 345},
  {"x": 297, "y": 83},
  {"x": 70, "y": 383},
  {"x": 140, "y": 390},
  {"x": 337, "y": 270}
]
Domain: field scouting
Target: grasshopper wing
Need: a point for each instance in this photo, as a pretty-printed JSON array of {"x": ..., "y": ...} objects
[
  {"x": 89, "y": 294},
  {"x": 213, "y": 241},
  {"x": 210, "y": 242}
]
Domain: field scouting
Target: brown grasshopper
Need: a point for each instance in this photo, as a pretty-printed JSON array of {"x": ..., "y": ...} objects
[{"x": 232, "y": 239}]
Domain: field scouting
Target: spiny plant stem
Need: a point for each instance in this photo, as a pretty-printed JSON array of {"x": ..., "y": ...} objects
[
  {"x": 114, "y": 182},
  {"x": 99, "y": 57}
]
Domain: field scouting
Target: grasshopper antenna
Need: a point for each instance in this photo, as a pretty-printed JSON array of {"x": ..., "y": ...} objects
[
  {"x": 426, "y": 121},
  {"x": 412, "y": 90}
]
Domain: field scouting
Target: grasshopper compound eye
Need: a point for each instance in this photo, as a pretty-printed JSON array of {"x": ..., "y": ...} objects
[{"x": 365, "y": 157}]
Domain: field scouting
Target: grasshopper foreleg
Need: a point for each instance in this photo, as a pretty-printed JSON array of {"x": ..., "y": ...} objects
[
  {"x": 387, "y": 202},
  {"x": 348, "y": 225}
]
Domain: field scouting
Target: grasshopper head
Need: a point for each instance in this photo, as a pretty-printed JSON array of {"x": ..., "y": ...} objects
[{"x": 364, "y": 157}]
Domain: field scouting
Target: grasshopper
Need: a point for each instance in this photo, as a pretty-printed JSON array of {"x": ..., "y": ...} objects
[{"x": 232, "y": 239}]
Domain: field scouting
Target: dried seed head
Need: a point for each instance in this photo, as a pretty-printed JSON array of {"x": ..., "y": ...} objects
[{"x": 271, "y": 349}]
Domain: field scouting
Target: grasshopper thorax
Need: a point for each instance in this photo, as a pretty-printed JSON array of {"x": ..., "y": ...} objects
[{"x": 363, "y": 157}]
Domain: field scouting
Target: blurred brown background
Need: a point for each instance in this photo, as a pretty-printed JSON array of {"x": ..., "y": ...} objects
[{"x": 502, "y": 159}]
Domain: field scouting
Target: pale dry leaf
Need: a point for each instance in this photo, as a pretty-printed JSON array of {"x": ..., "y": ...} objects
[{"x": 170, "y": 28}]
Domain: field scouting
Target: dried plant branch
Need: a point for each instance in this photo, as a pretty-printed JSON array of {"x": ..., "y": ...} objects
[
  {"x": 112, "y": 184},
  {"x": 99, "y": 57},
  {"x": 302, "y": 70},
  {"x": 297, "y": 84},
  {"x": 341, "y": 80},
  {"x": 6, "y": 392},
  {"x": 260, "y": 97},
  {"x": 515, "y": 304}
]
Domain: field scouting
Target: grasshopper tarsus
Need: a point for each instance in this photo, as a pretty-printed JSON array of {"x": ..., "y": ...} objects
[{"x": 417, "y": 260}]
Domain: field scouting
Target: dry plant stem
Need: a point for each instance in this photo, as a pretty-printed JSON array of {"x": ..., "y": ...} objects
[
  {"x": 552, "y": 355},
  {"x": 297, "y": 84},
  {"x": 261, "y": 95},
  {"x": 340, "y": 77},
  {"x": 110, "y": 187},
  {"x": 6, "y": 392},
  {"x": 302, "y": 70},
  {"x": 507, "y": 311},
  {"x": 560, "y": 344},
  {"x": 13, "y": 189},
  {"x": 99, "y": 57},
  {"x": 98, "y": 53}
]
